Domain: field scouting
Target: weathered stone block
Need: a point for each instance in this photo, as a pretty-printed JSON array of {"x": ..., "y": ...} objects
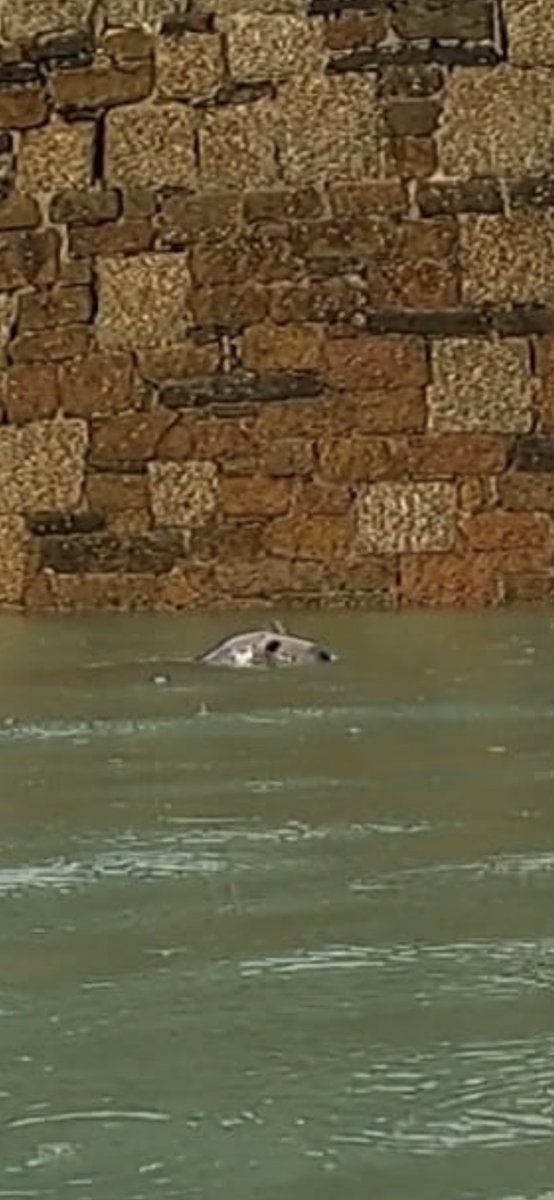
[
  {"x": 27, "y": 17},
  {"x": 55, "y": 521},
  {"x": 14, "y": 553},
  {"x": 457, "y": 454},
  {"x": 272, "y": 47},
  {"x": 497, "y": 122},
  {"x": 237, "y": 146},
  {"x": 56, "y": 156},
  {"x": 498, "y": 530},
  {"x": 328, "y": 127},
  {"x": 294, "y": 457},
  {"x": 102, "y": 86},
  {"x": 56, "y": 344},
  {"x": 42, "y": 465},
  {"x": 333, "y": 300},
  {"x": 481, "y": 384},
  {"x": 182, "y": 494},
  {"x": 241, "y": 387},
  {"x": 362, "y": 458},
  {"x": 31, "y": 392},
  {"x": 119, "y": 237},
  {"x": 127, "y": 45},
  {"x": 188, "y": 67},
  {"x": 355, "y": 29},
  {"x": 181, "y": 361},
  {"x": 254, "y": 496},
  {"x": 127, "y": 440},
  {"x": 28, "y": 257},
  {"x": 59, "y": 306},
  {"x": 411, "y": 157},
  {"x": 229, "y": 306},
  {"x": 450, "y": 581},
  {"x": 282, "y": 348},
  {"x": 18, "y": 212},
  {"x": 384, "y": 197},
  {"x": 143, "y": 301},
  {"x": 265, "y": 254},
  {"x": 150, "y": 146},
  {"x": 283, "y": 204},
  {"x": 508, "y": 260},
  {"x": 22, "y": 106},
  {"x": 534, "y": 454},
  {"x": 530, "y": 32},
  {"x": 85, "y": 208},
  {"x": 532, "y": 493},
  {"x": 438, "y": 198},
  {"x": 184, "y": 217},
  {"x": 406, "y": 518},
  {"x": 321, "y": 538},
  {"x": 112, "y": 494},
  {"x": 97, "y": 385},
  {"x": 107, "y": 552},
  {"x": 375, "y": 362}
]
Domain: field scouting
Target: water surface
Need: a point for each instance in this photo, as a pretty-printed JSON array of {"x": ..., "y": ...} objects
[{"x": 277, "y": 935}]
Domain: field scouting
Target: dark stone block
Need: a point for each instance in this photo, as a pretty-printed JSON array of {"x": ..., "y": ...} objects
[
  {"x": 534, "y": 454},
  {"x": 239, "y": 93},
  {"x": 72, "y": 48},
  {"x": 412, "y": 82},
  {"x": 533, "y": 192},
  {"x": 319, "y": 7},
  {"x": 180, "y": 23},
  {"x": 66, "y": 523},
  {"x": 471, "y": 196},
  {"x": 240, "y": 388},
  {"x": 524, "y": 321},
  {"x": 470, "y": 20},
  {"x": 409, "y": 53},
  {"x": 141, "y": 553},
  {"x": 18, "y": 72},
  {"x": 456, "y": 322}
]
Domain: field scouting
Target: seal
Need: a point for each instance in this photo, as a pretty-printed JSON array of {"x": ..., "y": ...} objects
[{"x": 270, "y": 647}]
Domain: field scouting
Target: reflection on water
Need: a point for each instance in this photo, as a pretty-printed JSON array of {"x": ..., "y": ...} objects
[{"x": 277, "y": 935}]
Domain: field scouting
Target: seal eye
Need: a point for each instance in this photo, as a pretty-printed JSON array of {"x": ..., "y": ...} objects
[
  {"x": 324, "y": 656},
  {"x": 272, "y": 646}
]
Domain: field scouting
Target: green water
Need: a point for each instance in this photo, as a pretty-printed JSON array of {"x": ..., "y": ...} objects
[{"x": 277, "y": 935}]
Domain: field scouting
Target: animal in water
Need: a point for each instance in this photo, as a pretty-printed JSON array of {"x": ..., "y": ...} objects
[{"x": 269, "y": 647}]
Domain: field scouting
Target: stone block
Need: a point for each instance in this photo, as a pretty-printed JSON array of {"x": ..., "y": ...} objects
[
  {"x": 534, "y": 454},
  {"x": 333, "y": 300},
  {"x": 378, "y": 410},
  {"x": 84, "y": 208},
  {"x": 327, "y": 128},
  {"x": 102, "y": 85},
  {"x": 367, "y": 362},
  {"x": 545, "y": 359},
  {"x": 98, "y": 385},
  {"x": 282, "y": 348},
  {"x": 125, "y": 46},
  {"x": 254, "y": 496},
  {"x": 351, "y": 459},
  {"x": 283, "y": 204},
  {"x": 31, "y": 392},
  {"x": 111, "y": 238},
  {"x": 439, "y": 198},
  {"x": 531, "y": 493},
  {"x": 127, "y": 440},
  {"x": 143, "y": 301},
  {"x": 188, "y": 67},
  {"x": 112, "y": 494},
  {"x": 27, "y": 17},
  {"x": 472, "y": 20},
  {"x": 56, "y": 156},
  {"x": 272, "y": 46},
  {"x": 60, "y": 306},
  {"x": 150, "y": 146},
  {"x": 184, "y": 218},
  {"x": 508, "y": 260},
  {"x": 497, "y": 122},
  {"x": 530, "y": 32},
  {"x": 463, "y": 580},
  {"x": 173, "y": 362},
  {"x": 481, "y": 385},
  {"x": 106, "y": 552},
  {"x": 264, "y": 255},
  {"x": 42, "y": 465},
  {"x": 28, "y": 257},
  {"x": 497, "y": 530},
  {"x": 406, "y": 518},
  {"x": 56, "y": 344},
  {"x": 319, "y": 538},
  {"x": 355, "y": 29},
  {"x": 182, "y": 494},
  {"x": 14, "y": 554},
  {"x": 229, "y": 306},
  {"x": 237, "y": 145},
  {"x": 445, "y": 455},
  {"x": 18, "y": 212},
  {"x": 22, "y": 106}
]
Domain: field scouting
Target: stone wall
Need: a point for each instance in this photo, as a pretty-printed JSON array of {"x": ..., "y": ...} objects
[{"x": 276, "y": 302}]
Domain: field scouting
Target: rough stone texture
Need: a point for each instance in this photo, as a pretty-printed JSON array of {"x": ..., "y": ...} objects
[
  {"x": 406, "y": 518},
  {"x": 143, "y": 301},
  {"x": 55, "y": 157},
  {"x": 272, "y": 47},
  {"x": 276, "y": 303},
  {"x": 188, "y": 67},
  {"x": 479, "y": 384},
  {"x": 497, "y": 122},
  {"x": 150, "y": 146},
  {"x": 42, "y": 465},
  {"x": 530, "y": 32},
  {"x": 328, "y": 127},
  {"x": 182, "y": 494},
  {"x": 237, "y": 146},
  {"x": 508, "y": 260}
]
